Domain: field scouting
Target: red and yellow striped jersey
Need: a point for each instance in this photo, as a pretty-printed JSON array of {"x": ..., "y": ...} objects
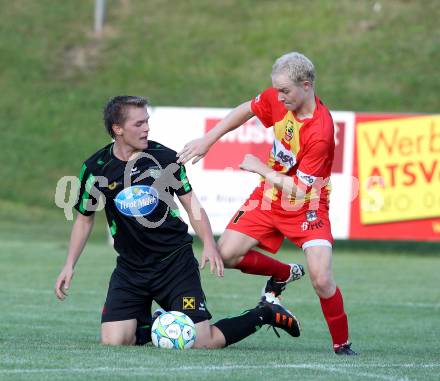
[{"x": 302, "y": 148}]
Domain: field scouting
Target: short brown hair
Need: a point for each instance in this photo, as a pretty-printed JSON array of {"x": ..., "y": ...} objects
[{"x": 114, "y": 110}]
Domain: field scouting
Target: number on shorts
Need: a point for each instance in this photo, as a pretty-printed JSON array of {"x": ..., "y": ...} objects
[{"x": 238, "y": 216}]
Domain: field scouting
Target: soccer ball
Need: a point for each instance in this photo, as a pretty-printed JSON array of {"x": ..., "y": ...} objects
[{"x": 173, "y": 330}]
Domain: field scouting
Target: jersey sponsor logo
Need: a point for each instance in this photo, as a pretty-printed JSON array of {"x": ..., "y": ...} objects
[
  {"x": 285, "y": 159},
  {"x": 282, "y": 155},
  {"x": 137, "y": 201},
  {"x": 312, "y": 226},
  {"x": 306, "y": 179},
  {"x": 189, "y": 303}
]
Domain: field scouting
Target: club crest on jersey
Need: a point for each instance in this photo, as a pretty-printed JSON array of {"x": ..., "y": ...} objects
[
  {"x": 289, "y": 131},
  {"x": 311, "y": 215},
  {"x": 137, "y": 201}
]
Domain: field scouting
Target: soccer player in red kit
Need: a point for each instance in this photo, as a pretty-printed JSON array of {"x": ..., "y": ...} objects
[{"x": 292, "y": 199}]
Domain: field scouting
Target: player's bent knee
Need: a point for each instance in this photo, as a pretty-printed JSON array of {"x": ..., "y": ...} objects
[
  {"x": 324, "y": 286},
  {"x": 113, "y": 339},
  {"x": 118, "y": 333},
  {"x": 233, "y": 246},
  {"x": 231, "y": 262},
  {"x": 229, "y": 255}
]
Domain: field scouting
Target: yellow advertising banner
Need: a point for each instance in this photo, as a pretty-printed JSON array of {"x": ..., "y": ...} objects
[{"x": 399, "y": 169}]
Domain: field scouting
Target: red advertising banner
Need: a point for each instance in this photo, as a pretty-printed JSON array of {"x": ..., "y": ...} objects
[{"x": 229, "y": 151}]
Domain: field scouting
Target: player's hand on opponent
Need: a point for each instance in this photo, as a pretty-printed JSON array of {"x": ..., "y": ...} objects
[
  {"x": 210, "y": 254},
  {"x": 196, "y": 149},
  {"x": 63, "y": 282},
  {"x": 251, "y": 163}
]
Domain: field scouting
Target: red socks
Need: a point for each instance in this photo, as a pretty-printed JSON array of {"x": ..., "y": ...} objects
[
  {"x": 257, "y": 263},
  {"x": 333, "y": 310}
]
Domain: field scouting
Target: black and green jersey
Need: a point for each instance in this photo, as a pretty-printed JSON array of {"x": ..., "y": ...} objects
[{"x": 139, "y": 205}]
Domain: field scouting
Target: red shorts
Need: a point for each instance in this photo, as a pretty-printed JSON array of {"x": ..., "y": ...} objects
[{"x": 270, "y": 227}]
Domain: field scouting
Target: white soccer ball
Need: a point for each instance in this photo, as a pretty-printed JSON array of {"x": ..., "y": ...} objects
[{"x": 173, "y": 330}]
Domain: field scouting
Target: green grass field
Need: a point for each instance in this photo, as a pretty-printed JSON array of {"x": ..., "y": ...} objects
[{"x": 391, "y": 293}]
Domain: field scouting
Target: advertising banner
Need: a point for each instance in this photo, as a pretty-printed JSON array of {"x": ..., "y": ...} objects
[
  {"x": 400, "y": 169},
  {"x": 217, "y": 180},
  {"x": 385, "y": 176},
  {"x": 397, "y": 163}
]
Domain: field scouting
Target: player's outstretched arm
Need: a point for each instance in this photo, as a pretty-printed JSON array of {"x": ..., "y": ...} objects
[
  {"x": 200, "y": 222},
  {"x": 198, "y": 148},
  {"x": 80, "y": 233}
]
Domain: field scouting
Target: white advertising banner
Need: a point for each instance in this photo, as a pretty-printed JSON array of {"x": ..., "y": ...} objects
[{"x": 221, "y": 186}]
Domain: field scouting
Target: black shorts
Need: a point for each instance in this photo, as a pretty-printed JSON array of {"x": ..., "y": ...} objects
[{"x": 176, "y": 287}]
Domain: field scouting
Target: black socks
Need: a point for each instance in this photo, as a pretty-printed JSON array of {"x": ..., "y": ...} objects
[{"x": 239, "y": 327}]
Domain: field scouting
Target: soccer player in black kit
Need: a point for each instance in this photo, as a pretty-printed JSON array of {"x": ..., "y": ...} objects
[{"x": 137, "y": 179}]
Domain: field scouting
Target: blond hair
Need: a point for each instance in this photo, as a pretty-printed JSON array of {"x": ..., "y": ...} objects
[{"x": 297, "y": 66}]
